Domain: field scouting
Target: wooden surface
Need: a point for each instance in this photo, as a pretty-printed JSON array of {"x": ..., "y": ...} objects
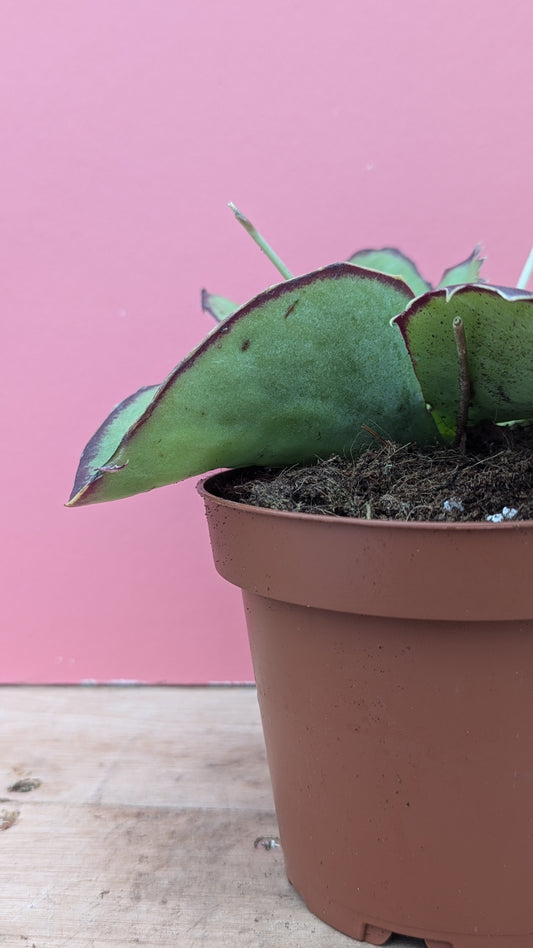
[{"x": 142, "y": 829}]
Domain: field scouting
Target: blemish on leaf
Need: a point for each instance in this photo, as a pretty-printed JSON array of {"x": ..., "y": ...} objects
[
  {"x": 245, "y": 345},
  {"x": 111, "y": 468},
  {"x": 290, "y": 309}
]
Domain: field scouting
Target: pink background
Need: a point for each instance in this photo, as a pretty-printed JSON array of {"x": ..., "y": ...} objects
[{"x": 126, "y": 126}]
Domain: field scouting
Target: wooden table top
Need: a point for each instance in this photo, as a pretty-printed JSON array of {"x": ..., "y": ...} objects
[{"x": 142, "y": 816}]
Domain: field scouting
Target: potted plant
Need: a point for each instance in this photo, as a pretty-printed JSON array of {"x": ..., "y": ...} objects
[{"x": 393, "y": 657}]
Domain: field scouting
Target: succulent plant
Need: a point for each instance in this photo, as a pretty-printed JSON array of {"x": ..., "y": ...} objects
[{"x": 316, "y": 365}]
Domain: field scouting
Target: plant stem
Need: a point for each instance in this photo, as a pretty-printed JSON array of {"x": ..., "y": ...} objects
[
  {"x": 526, "y": 272},
  {"x": 464, "y": 383},
  {"x": 261, "y": 242}
]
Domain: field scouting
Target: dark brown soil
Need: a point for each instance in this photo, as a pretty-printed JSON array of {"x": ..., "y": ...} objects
[{"x": 406, "y": 482}]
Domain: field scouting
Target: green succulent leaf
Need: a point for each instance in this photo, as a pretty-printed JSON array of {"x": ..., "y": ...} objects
[
  {"x": 217, "y": 306},
  {"x": 393, "y": 262},
  {"x": 292, "y": 375},
  {"x": 498, "y": 323},
  {"x": 109, "y": 435},
  {"x": 466, "y": 272}
]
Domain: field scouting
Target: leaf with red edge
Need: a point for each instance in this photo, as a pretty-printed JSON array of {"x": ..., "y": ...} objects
[
  {"x": 498, "y": 324},
  {"x": 106, "y": 439},
  {"x": 291, "y": 376}
]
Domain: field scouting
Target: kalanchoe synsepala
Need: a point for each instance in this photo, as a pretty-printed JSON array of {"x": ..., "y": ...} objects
[{"x": 312, "y": 366}]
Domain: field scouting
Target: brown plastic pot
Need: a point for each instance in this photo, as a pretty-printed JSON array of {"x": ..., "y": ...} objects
[{"x": 394, "y": 669}]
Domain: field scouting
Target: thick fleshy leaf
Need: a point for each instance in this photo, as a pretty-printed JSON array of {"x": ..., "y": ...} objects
[
  {"x": 109, "y": 435},
  {"x": 217, "y": 306},
  {"x": 292, "y": 375},
  {"x": 466, "y": 272},
  {"x": 498, "y": 325},
  {"x": 393, "y": 262}
]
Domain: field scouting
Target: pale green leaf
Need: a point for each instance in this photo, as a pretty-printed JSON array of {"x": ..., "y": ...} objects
[
  {"x": 217, "y": 306},
  {"x": 393, "y": 262},
  {"x": 292, "y": 375},
  {"x": 466, "y": 272}
]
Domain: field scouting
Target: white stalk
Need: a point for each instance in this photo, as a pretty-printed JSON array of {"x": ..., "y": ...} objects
[
  {"x": 525, "y": 276},
  {"x": 261, "y": 242}
]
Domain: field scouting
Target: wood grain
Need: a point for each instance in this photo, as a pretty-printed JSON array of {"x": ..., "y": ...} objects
[{"x": 142, "y": 829}]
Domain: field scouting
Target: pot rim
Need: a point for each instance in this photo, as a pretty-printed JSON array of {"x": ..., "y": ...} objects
[{"x": 203, "y": 484}]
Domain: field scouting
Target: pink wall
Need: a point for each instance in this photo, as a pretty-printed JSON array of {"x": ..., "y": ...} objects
[{"x": 126, "y": 126}]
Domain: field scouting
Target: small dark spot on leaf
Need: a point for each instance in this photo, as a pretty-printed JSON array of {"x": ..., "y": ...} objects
[
  {"x": 245, "y": 345},
  {"x": 290, "y": 309}
]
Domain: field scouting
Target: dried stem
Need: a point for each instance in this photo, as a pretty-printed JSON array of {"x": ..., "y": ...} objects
[
  {"x": 375, "y": 434},
  {"x": 464, "y": 383}
]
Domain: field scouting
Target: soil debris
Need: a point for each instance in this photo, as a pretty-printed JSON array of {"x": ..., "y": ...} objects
[
  {"x": 25, "y": 785},
  {"x": 8, "y": 818},
  {"x": 492, "y": 480}
]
